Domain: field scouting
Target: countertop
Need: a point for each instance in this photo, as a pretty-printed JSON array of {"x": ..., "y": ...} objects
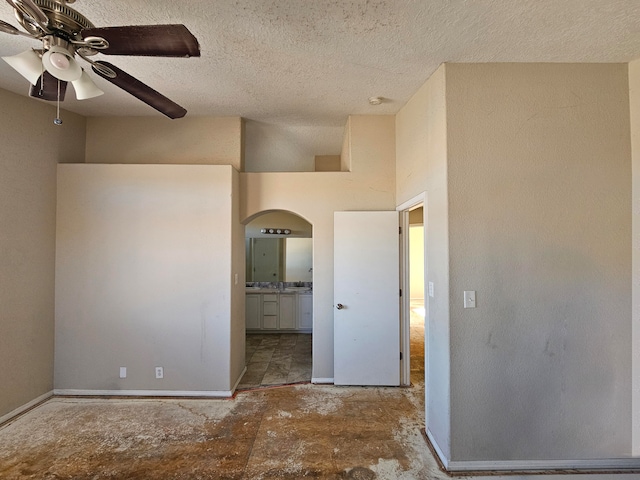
[{"x": 277, "y": 290}]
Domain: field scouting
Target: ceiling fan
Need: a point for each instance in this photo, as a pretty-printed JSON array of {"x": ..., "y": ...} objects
[{"x": 66, "y": 34}]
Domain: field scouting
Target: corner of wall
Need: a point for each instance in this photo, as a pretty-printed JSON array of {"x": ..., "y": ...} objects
[
  {"x": 243, "y": 140},
  {"x": 634, "y": 110},
  {"x": 345, "y": 154}
]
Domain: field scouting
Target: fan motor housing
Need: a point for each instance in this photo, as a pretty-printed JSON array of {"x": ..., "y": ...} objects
[{"x": 63, "y": 20}]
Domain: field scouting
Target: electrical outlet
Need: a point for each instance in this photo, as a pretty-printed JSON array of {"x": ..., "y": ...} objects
[
  {"x": 159, "y": 372},
  {"x": 123, "y": 372}
]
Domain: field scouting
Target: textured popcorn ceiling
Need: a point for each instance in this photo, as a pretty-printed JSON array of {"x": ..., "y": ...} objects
[{"x": 313, "y": 62}]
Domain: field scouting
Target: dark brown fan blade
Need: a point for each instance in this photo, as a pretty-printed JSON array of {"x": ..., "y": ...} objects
[
  {"x": 46, "y": 88},
  {"x": 143, "y": 92},
  {"x": 147, "y": 40}
]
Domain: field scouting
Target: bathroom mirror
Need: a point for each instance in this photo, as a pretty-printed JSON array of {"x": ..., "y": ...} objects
[{"x": 279, "y": 258}]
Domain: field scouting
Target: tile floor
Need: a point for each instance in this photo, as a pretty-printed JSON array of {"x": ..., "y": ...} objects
[{"x": 276, "y": 359}]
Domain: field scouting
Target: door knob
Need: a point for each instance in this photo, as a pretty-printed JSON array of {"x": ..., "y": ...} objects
[{"x": 339, "y": 306}]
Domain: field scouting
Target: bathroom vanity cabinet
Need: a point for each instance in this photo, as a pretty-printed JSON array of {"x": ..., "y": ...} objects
[{"x": 278, "y": 311}]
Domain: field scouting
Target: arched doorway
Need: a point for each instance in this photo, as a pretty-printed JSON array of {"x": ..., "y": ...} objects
[{"x": 278, "y": 300}]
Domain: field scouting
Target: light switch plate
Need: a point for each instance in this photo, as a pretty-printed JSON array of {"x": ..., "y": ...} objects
[
  {"x": 123, "y": 372},
  {"x": 431, "y": 289},
  {"x": 469, "y": 299}
]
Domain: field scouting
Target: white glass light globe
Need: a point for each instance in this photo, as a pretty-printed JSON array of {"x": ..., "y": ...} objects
[{"x": 59, "y": 60}]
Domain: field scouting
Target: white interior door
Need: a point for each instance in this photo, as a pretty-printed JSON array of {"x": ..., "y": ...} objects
[{"x": 366, "y": 298}]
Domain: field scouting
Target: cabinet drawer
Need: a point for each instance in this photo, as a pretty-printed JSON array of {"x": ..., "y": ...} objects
[
  {"x": 270, "y": 308},
  {"x": 270, "y": 322},
  {"x": 270, "y": 297}
]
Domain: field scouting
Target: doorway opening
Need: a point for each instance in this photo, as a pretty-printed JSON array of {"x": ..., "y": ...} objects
[
  {"x": 413, "y": 305},
  {"x": 416, "y": 295},
  {"x": 278, "y": 300}
]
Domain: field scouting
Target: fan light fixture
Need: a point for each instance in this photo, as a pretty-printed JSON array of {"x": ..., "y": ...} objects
[
  {"x": 60, "y": 63},
  {"x": 66, "y": 36},
  {"x": 27, "y": 64},
  {"x": 85, "y": 88}
]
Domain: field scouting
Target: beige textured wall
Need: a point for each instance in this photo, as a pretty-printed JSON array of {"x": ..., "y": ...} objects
[
  {"x": 274, "y": 147},
  {"x": 327, "y": 163},
  {"x": 539, "y": 179},
  {"x": 634, "y": 102},
  {"x": 421, "y": 166},
  {"x": 144, "y": 278},
  {"x": 31, "y": 147},
  {"x": 189, "y": 140},
  {"x": 345, "y": 153},
  {"x": 315, "y": 196}
]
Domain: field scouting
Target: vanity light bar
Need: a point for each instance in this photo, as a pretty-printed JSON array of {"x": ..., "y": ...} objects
[{"x": 276, "y": 231}]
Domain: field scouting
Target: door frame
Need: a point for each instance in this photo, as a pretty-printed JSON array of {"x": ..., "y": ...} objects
[{"x": 405, "y": 302}]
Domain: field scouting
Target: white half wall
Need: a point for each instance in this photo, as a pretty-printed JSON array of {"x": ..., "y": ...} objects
[{"x": 144, "y": 278}]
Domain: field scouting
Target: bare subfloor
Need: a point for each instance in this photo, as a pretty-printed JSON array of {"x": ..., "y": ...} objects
[
  {"x": 287, "y": 432},
  {"x": 291, "y": 432},
  {"x": 302, "y": 431}
]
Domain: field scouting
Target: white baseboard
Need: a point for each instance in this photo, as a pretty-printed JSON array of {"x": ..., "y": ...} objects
[
  {"x": 235, "y": 386},
  {"x": 143, "y": 393},
  {"x": 590, "y": 465},
  {"x": 576, "y": 466},
  {"x": 441, "y": 456},
  {"x": 321, "y": 380},
  {"x": 25, "y": 407}
]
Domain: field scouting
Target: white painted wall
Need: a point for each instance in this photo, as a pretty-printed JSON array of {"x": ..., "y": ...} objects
[
  {"x": 421, "y": 165},
  {"x": 145, "y": 263},
  {"x": 315, "y": 196},
  {"x": 31, "y": 147},
  {"x": 634, "y": 102}
]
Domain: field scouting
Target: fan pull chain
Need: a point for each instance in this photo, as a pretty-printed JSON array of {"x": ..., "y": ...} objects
[{"x": 57, "y": 120}]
